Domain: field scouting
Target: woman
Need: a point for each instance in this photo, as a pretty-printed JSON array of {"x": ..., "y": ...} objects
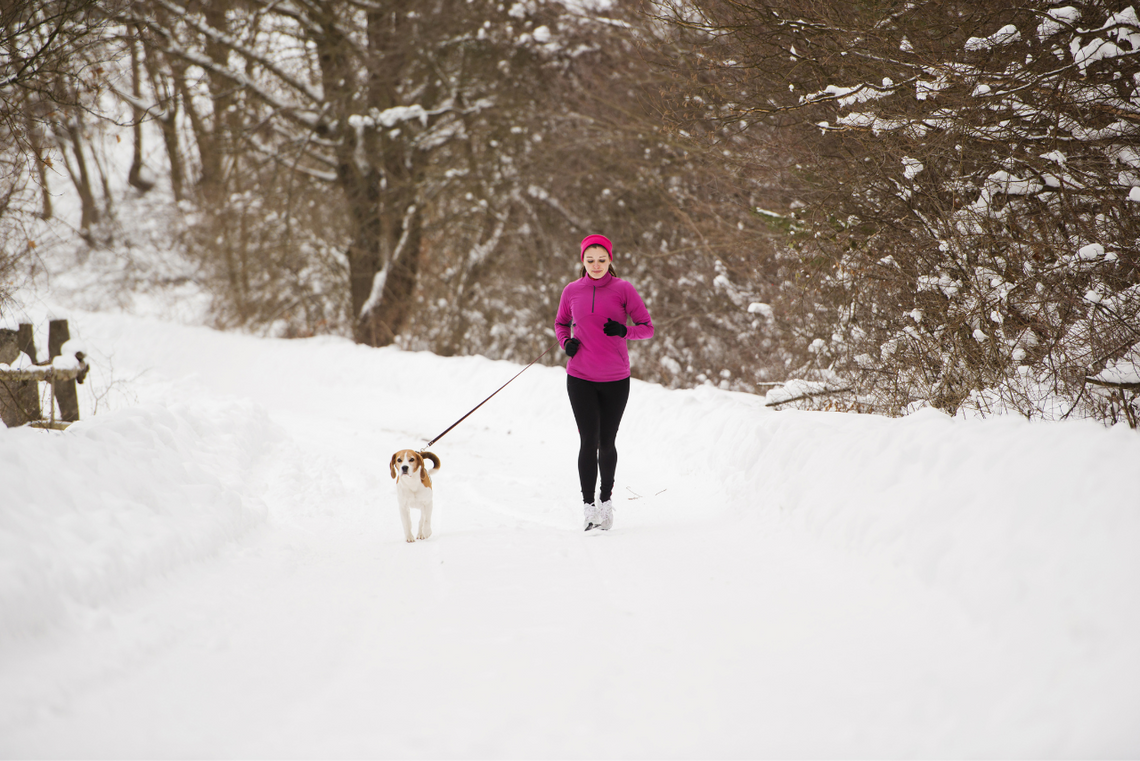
[{"x": 591, "y": 328}]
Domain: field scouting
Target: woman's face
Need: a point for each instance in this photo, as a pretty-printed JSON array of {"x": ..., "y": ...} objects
[{"x": 597, "y": 261}]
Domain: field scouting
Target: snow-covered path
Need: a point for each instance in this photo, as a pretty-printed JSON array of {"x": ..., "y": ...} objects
[{"x": 776, "y": 584}]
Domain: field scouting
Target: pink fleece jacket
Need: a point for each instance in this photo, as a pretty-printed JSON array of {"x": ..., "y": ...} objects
[{"x": 585, "y": 306}]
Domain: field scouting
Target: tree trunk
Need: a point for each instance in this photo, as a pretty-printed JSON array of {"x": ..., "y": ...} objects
[
  {"x": 135, "y": 174},
  {"x": 212, "y": 141},
  {"x": 202, "y": 137},
  {"x": 39, "y": 150},
  {"x": 168, "y": 120},
  {"x": 364, "y": 258},
  {"x": 165, "y": 79},
  {"x": 381, "y": 319},
  {"x": 89, "y": 214},
  {"x": 389, "y": 223}
]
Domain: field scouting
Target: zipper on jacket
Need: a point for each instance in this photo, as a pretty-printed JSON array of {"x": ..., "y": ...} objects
[{"x": 593, "y": 297}]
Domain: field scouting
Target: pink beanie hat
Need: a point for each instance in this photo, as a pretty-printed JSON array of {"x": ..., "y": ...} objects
[{"x": 596, "y": 240}]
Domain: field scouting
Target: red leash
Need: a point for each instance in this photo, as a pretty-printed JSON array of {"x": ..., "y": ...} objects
[{"x": 480, "y": 404}]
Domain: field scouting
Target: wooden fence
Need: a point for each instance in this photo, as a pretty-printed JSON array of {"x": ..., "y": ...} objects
[{"x": 19, "y": 387}]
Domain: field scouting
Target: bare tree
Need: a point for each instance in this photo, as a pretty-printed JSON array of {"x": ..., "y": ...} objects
[
  {"x": 969, "y": 238},
  {"x": 51, "y": 71},
  {"x": 598, "y": 157},
  {"x": 469, "y": 145},
  {"x": 357, "y": 96}
]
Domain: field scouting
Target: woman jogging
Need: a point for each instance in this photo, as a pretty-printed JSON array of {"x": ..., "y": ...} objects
[{"x": 591, "y": 328}]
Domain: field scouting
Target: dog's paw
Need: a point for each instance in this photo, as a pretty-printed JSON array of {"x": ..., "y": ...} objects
[
  {"x": 421, "y": 536},
  {"x": 409, "y": 540}
]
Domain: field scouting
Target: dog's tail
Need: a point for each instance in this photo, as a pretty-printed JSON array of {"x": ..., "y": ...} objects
[{"x": 432, "y": 457}]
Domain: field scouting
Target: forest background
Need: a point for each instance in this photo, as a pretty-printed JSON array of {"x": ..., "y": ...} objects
[{"x": 872, "y": 206}]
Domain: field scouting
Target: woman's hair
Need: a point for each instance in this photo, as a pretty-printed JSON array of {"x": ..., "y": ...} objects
[{"x": 582, "y": 269}]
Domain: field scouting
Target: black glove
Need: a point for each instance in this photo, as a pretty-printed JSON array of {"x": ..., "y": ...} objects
[
  {"x": 614, "y": 328},
  {"x": 571, "y": 346}
]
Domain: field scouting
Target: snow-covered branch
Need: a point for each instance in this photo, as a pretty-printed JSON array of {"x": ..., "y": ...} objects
[
  {"x": 263, "y": 60},
  {"x": 305, "y": 117}
]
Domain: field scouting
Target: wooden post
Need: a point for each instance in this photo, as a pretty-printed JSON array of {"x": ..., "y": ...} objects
[
  {"x": 9, "y": 346},
  {"x": 26, "y": 341},
  {"x": 65, "y": 394},
  {"x": 9, "y": 351},
  {"x": 19, "y": 399},
  {"x": 28, "y": 393}
]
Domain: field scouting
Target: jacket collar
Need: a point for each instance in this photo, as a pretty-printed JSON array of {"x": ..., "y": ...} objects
[{"x": 601, "y": 282}]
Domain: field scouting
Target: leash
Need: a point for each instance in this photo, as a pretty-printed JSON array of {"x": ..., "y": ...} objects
[{"x": 500, "y": 388}]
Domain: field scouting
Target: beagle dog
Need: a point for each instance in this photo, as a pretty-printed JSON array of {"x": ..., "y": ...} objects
[{"x": 413, "y": 489}]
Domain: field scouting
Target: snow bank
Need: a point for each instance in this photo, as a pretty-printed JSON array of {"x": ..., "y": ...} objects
[
  {"x": 1030, "y": 527},
  {"x": 119, "y": 498}
]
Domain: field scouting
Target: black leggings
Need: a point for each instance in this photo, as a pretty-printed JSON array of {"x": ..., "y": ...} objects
[{"x": 598, "y": 408}]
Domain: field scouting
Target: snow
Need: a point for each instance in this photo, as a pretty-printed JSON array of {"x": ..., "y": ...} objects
[
  {"x": 765, "y": 310},
  {"x": 389, "y": 117},
  {"x": 1057, "y": 19},
  {"x": 1124, "y": 25},
  {"x": 65, "y": 362},
  {"x": 542, "y": 34},
  {"x": 847, "y": 96},
  {"x": 1124, "y": 370},
  {"x": 1090, "y": 252},
  {"x": 911, "y": 167},
  {"x": 21, "y": 362},
  {"x": 944, "y": 283},
  {"x": 212, "y": 565},
  {"x": 1007, "y": 35},
  {"x": 1002, "y": 181},
  {"x": 376, "y": 294}
]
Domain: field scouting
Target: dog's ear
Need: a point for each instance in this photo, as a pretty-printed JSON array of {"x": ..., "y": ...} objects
[{"x": 392, "y": 465}]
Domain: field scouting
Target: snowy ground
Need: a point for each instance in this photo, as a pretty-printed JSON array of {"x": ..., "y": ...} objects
[{"x": 210, "y": 564}]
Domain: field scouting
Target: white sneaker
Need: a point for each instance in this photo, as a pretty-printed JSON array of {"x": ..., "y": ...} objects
[
  {"x": 606, "y": 515},
  {"x": 591, "y": 516}
]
